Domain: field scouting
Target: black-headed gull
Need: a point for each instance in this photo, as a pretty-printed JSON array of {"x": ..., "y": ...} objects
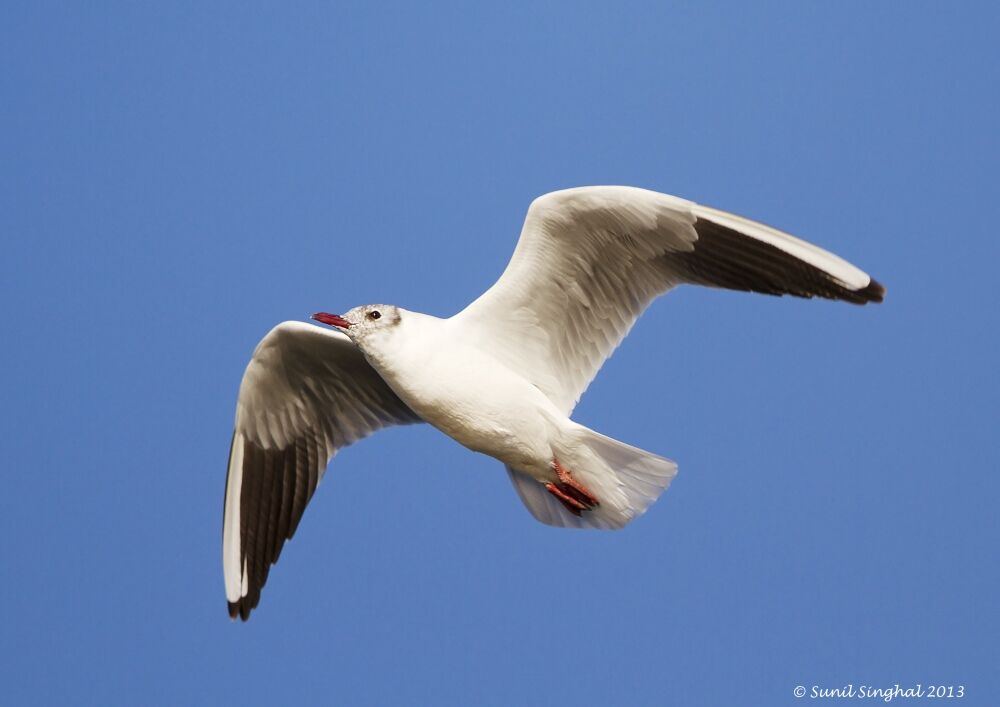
[{"x": 502, "y": 376}]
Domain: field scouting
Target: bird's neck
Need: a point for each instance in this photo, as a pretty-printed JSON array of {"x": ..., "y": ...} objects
[{"x": 406, "y": 348}]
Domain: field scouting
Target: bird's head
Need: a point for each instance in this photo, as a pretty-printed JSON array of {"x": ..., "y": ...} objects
[{"x": 364, "y": 324}]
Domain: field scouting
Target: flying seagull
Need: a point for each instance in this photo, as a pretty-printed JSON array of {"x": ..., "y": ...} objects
[{"x": 502, "y": 376}]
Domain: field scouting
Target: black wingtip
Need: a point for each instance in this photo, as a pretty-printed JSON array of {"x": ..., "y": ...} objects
[
  {"x": 240, "y": 609},
  {"x": 875, "y": 292}
]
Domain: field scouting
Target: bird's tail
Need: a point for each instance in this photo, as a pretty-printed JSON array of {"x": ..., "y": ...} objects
[{"x": 624, "y": 479}]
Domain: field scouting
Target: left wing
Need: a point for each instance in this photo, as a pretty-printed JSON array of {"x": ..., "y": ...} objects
[{"x": 306, "y": 393}]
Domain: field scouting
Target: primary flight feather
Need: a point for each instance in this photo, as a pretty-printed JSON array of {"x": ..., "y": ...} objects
[{"x": 503, "y": 375}]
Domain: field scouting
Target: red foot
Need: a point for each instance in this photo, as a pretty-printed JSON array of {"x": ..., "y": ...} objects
[
  {"x": 572, "y": 505},
  {"x": 571, "y": 493}
]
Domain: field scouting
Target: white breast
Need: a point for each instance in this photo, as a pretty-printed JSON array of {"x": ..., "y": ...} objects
[{"x": 469, "y": 395}]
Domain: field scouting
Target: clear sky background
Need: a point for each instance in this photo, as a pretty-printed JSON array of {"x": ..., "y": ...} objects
[{"x": 175, "y": 180}]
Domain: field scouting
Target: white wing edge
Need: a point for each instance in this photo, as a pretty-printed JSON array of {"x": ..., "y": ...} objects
[{"x": 236, "y": 576}]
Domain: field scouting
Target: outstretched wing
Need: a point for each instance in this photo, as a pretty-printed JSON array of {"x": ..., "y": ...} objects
[
  {"x": 306, "y": 393},
  {"x": 590, "y": 260}
]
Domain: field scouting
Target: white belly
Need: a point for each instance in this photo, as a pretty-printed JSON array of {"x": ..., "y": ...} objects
[{"x": 484, "y": 406}]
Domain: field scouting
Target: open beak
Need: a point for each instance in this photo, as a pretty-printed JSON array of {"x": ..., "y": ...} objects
[{"x": 332, "y": 319}]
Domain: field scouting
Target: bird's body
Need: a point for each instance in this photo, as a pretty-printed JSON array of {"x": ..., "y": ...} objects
[
  {"x": 461, "y": 389},
  {"x": 502, "y": 376}
]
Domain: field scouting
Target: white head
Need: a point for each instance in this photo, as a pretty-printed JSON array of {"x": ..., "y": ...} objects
[{"x": 368, "y": 323}]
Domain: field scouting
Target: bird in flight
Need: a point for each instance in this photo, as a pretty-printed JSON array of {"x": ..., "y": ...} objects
[{"x": 502, "y": 376}]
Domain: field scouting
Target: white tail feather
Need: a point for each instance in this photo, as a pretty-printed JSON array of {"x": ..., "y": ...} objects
[{"x": 626, "y": 480}]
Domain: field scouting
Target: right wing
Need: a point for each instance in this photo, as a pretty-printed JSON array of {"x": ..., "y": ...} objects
[
  {"x": 306, "y": 393},
  {"x": 590, "y": 260}
]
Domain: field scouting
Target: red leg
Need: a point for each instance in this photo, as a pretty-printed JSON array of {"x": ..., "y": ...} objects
[
  {"x": 571, "y": 504},
  {"x": 574, "y": 496},
  {"x": 582, "y": 492}
]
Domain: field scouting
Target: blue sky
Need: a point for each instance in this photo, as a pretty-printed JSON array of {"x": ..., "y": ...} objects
[{"x": 175, "y": 179}]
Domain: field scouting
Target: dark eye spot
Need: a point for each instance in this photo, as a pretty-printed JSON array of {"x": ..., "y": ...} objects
[{"x": 375, "y": 314}]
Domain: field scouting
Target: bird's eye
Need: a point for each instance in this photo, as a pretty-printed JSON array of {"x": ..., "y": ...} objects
[{"x": 374, "y": 314}]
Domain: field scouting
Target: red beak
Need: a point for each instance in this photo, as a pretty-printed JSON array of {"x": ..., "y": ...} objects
[{"x": 332, "y": 319}]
